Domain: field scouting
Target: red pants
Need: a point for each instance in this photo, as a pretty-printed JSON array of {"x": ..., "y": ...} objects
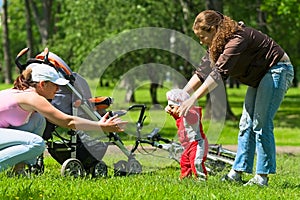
[{"x": 193, "y": 158}]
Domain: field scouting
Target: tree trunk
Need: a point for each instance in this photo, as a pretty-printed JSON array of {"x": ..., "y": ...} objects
[
  {"x": 261, "y": 18},
  {"x": 186, "y": 13},
  {"x": 129, "y": 84},
  {"x": 153, "y": 93},
  {"x": 295, "y": 80},
  {"x": 154, "y": 79},
  {"x": 214, "y": 5},
  {"x": 216, "y": 102},
  {"x": 215, "y": 105},
  {"x": 29, "y": 40},
  {"x": 6, "y": 49},
  {"x": 43, "y": 19}
]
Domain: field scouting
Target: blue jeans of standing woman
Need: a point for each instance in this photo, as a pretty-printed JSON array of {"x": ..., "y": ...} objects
[
  {"x": 23, "y": 143},
  {"x": 256, "y": 124}
]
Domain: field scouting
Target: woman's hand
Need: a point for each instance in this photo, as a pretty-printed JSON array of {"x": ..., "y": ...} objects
[
  {"x": 185, "y": 106},
  {"x": 112, "y": 124},
  {"x": 209, "y": 85}
]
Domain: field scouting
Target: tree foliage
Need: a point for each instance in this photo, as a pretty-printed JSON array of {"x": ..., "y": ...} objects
[
  {"x": 78, "y": 26},
  {"x": 283, "y": 20}
]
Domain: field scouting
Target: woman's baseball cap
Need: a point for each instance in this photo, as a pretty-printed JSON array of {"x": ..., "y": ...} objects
[{"x": 43, "y": 72}]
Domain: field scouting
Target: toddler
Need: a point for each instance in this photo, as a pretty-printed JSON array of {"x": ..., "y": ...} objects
[{"x": 190, "y": 134}]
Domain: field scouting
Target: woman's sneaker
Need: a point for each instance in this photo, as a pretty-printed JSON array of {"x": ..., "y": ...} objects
[
  {"x": 258, "y": 180},
  {"x": 236, "y": 179},
  {"x": 233, "y": 176}
]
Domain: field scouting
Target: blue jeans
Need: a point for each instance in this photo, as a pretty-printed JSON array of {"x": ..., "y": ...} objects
[
  {"x": 23, "y": 143},
  {"x": 256, "y": 123}
]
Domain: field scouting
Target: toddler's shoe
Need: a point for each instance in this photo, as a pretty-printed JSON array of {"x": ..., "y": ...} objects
[
  {"x": 258, "y": 180},
  {"x": 201, "y": 177}
]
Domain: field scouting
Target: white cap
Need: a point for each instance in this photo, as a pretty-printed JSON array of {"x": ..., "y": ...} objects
[
  {"x": 43, "y": 72},
  {"x": 177, "y": 96}
]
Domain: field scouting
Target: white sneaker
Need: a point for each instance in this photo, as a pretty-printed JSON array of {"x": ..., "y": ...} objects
[
  {"x": 236, "y": 179},
  {"x": 233, "y": 176},
  {"x": 258, "y": 180}
]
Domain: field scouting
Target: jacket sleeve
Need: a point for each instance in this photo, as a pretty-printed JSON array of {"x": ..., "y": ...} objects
[
  {"x": 204, "y": 68},
  {"x": 192, "y": 117},
  {"x": 227, "y": 60}
]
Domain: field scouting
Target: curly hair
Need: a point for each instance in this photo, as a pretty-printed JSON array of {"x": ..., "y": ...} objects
[
  {"x": 23, "y": 81},
  {"x": 225, "y": 26}
]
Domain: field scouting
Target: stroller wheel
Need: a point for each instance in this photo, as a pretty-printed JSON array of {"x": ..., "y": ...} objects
[
  {"x": 120, "y": 168},
  {"x": 99, "y": 169},
  {"x": 72, "y": 167},
  {"x": 134, "y": 167}
]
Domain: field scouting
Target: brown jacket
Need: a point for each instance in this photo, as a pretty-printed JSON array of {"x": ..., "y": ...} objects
[{"x": 246, "y": 57}]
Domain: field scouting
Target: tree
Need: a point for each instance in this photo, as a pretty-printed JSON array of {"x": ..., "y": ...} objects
[
  {"x": 149, "y": 13},
  {"x": 29, "y": 40},
  {"x": 261, "y": 18},
  {"x": 72, "y": 29},
  {"x": 42, "y": 18},
  {"x": 283, "y": 25},
  {"x": 6, "y": 44},
  {"x": 214, "y": 99},
  {"x": 22, "y": 30}
]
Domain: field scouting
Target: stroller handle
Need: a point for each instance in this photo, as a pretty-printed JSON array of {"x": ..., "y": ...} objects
[{"x": 17, "y": 59}]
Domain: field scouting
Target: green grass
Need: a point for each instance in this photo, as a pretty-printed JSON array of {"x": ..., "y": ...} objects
[
  {"x": 159, "y": 179},
  {"x": 5, "y": 86},
  {"x": 160, "y": 184}
]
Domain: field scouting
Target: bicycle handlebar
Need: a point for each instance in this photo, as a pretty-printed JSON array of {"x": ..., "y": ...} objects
[
  {"x": 141, "y": 117},
  {"x": 155, "y": 136}
]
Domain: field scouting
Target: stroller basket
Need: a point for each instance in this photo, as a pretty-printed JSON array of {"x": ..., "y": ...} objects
[{"x": 63, "y": 150}]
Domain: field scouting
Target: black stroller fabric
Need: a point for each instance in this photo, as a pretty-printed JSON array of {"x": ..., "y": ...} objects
[
  {"x": 64, "y": 99},
  {"x": 87, "y": 149}
]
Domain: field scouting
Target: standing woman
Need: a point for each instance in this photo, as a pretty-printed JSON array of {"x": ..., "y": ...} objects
[
  {"x": 254, "y": 59},
  {"x": 23, "y": 110}
]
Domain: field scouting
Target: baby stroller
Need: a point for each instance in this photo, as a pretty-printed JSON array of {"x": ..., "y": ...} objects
[{"x": 77, "y": 152}]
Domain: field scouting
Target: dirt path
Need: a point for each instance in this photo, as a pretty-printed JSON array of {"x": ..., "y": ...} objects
[{"x": 279, "y": 149}]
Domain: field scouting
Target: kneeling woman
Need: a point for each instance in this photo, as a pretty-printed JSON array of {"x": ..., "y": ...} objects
[{"x": 23, "y": 110}]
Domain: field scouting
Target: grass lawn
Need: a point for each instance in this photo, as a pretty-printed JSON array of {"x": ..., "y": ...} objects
[
  {"x": 159, "y": 179},
  {"x": 162, "y": 183}
]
